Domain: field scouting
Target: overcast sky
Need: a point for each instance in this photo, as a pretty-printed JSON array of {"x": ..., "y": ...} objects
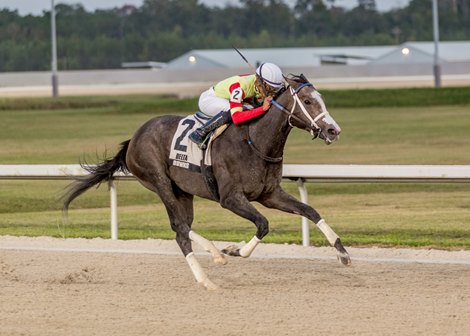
[{"x": 36, "y": 7}]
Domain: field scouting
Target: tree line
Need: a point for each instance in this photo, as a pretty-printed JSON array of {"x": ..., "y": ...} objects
[{"x": 161, "y": 30}]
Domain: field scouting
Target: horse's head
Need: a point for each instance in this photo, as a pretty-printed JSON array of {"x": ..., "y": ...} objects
[{"x": 308, "y": 110}]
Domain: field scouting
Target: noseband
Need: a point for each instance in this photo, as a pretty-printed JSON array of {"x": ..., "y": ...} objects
[{"x": 313, "y": 127}]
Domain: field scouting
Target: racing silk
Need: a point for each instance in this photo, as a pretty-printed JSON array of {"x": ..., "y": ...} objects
[{"x": 239, "y": 89}]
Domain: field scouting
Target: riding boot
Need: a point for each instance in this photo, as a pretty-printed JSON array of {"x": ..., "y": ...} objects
[{"x": 199, "y": 135}]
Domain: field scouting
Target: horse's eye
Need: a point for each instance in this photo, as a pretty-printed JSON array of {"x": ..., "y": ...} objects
[{"x": 307, "y": 102}]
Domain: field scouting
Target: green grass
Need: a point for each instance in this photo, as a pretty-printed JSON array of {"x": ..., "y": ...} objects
[
  {"x": 379, "y": 127},
  {"x": 402, "y": 135},
  {"x": 421, "y": 215},
  {"x": 398, "y": 97}
]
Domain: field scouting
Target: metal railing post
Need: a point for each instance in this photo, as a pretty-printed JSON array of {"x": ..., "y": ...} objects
[
  {"x": 114, "y": 215},
  {"x": 305, "y": 222}
]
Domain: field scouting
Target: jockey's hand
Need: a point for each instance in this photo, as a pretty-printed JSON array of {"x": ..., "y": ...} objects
[{"x": 267, "y": 103}]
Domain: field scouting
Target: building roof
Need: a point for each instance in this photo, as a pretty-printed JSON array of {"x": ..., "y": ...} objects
[
  {"x": 420, "y": 52},
  {"x": 450, "y": 51},
  {"x": 423, "y": 52},
  {"x": 284, "y": 57}
]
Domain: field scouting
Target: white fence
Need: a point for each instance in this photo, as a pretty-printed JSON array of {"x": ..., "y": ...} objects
[{"x": 300, "y": 173}]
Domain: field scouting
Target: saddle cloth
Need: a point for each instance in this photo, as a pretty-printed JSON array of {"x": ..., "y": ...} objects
[{"x": 186, "y": 154}]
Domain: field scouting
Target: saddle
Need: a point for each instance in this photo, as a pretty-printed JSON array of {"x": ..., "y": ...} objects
[{"x": 187, "y": 155}]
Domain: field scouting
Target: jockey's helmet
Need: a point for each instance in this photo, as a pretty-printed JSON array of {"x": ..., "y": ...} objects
[{"x": 271, "y": 75}]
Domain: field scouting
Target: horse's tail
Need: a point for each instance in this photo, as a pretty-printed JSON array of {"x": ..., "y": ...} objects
[{"x": 97, "y": 174}]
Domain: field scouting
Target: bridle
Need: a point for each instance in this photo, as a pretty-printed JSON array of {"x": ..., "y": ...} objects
[{"x": 314, "y": 129}]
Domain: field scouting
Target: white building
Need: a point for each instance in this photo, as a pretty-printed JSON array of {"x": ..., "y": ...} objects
[
  {"x": 409, "y": 53},
  {"x": 423, "y": 52}
]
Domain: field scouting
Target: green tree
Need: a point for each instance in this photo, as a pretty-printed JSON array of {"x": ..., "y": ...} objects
[{"x": 160, "y": 30}]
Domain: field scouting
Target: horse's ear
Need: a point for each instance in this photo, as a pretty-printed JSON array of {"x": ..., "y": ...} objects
[
  {"x": 285, "y": 78},
  {"x": 289, "y": 79}
]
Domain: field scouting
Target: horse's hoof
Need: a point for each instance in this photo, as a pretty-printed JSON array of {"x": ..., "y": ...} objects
[
  {"x": 209, "y": 285},
  {"x": 342, "y": 255},
  {"x": 344, "y": 258},
  {"x": 220, "y": 260},
  {"x": 232, "y": 250}
]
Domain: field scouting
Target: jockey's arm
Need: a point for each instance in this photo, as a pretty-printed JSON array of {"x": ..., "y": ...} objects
[{"x": 237, "y": 95}]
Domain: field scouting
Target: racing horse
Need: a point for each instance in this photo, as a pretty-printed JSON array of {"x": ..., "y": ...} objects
[{"x": 246, "y": 163}]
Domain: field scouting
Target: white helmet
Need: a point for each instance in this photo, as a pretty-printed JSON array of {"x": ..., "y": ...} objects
[{"x": 271, "y": 74}]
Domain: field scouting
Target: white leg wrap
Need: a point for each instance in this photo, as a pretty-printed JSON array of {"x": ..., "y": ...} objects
[
  {"x": 246, "y": 250},
  {"x": 208, "y": 246},
  {"x": 203, "y": 242},
  {"x": 328, "y": 232},
  {"x": 198, "y": 272},
  {"x": 196, "y": 268}
]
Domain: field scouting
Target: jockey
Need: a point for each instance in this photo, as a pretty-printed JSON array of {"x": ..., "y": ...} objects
[{"x": 233, "y": 99}]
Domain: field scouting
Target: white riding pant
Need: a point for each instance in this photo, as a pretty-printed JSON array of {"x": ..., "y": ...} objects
[{"x": 210, "y": 104}]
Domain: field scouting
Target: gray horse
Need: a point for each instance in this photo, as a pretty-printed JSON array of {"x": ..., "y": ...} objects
[{"x": 246, "y": 165}]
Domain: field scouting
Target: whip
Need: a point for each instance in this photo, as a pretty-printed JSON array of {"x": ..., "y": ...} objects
[
  {"x": 263, "y": 89},
  {"x": 244, "y": 58}
]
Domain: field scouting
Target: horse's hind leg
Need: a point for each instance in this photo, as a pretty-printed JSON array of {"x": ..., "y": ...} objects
[
  {"x": 179, "y": 206},
  {"x": 180, "y": 214},
  {"x": 186, "y": 201}
]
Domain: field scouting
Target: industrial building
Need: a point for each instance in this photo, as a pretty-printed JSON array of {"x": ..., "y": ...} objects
[{"x": 406, "y": 53}]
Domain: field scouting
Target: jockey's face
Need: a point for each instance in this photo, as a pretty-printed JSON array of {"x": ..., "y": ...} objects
[{"x": 265, "y": 89}]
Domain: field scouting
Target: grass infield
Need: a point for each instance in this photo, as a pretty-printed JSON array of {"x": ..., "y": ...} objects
[{"x": 409, "y": 126}]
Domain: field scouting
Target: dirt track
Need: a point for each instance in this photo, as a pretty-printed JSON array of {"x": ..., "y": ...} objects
[{"x": 54, "y": 287}]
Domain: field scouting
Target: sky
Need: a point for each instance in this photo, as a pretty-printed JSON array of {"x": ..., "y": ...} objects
[{"x": 36, "y": 7}]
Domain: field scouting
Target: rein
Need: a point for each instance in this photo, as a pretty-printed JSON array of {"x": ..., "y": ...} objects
[{"x": 259, "y": 154}]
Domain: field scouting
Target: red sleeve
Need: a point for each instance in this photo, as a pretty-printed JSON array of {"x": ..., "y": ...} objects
[
  {"x": 236, "y": 98},
  {"x": 240, "y": 117},
  {"x": 236, "y": 105}
]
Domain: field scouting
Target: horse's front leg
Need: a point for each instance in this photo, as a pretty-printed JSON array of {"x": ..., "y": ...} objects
[
  {"x": 283, "y": 201},
  {"x": 238, "y": 203}
]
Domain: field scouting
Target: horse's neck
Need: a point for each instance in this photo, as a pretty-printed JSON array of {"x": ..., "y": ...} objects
[{"x": 269, "y": 133}]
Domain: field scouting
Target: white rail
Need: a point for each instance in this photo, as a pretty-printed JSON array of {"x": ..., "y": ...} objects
[
  {"x": 298, "y": 172},
  {"x": 369, "y": 173}
]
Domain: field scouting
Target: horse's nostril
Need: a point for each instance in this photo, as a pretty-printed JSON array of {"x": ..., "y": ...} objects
[{"x": 332, "y": 131}]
